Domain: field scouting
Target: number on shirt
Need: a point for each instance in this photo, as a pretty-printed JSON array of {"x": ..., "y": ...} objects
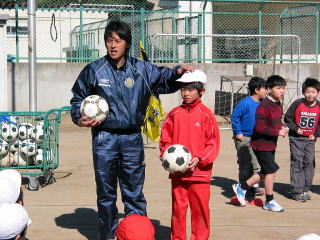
[{"x": 307, "y": 122}]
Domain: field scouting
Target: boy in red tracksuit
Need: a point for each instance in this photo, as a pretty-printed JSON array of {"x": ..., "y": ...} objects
[{"x": 194, "y": 126}]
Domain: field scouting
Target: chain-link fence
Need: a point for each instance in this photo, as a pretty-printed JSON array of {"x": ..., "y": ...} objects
[{"x": 72, "y": 31}]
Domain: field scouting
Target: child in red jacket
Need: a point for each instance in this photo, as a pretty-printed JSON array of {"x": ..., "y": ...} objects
[{"x": 194, "y": 126}]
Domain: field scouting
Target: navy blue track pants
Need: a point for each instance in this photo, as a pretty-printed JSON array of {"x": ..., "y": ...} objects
[{"x": 118, "y": 158}]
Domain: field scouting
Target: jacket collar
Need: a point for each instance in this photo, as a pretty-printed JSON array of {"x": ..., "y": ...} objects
[
  {"x": 111, "y": 62},
  {"x": 191, "y": 106}
]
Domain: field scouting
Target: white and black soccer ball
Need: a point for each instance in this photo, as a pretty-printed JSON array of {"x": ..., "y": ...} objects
[
  {"x": 4, "y": 148},
  {"x": 94, "y": 107},
  {"x": 14, "y": 146},
  {"x": 38, "y": 160},
  {"x": 9, "y": 132},
  {"x": 176, "y": 158},
  {"x": 37, "y": 133},
  {"x": 6, "y": 161},
  {"x": 28, "y": 148},
  {"x": 25, "y": 131},
  {"x": 19, "y": 160}
]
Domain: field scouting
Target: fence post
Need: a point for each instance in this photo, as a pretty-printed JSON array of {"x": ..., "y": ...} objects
[
  {"x": 32, "y": 50},
  {"x": 317, "y": 37},
  {"x": 142, "y": 25},
  {"x": 16, "y": 8},
  {"x": 81, "y": 35},
  {"x": 260, "y": 31}
]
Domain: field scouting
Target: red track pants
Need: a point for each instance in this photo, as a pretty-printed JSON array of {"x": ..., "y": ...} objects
[{"x": 198, "y": 195}]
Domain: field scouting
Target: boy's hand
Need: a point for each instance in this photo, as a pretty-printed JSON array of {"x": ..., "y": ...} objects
[
  {"x": 239, "y": 137},
  {"x": 283, "y": 131},
  {"x": 311, "y": 137},
  {"x": 86, "y": 122},
  {"x": 299, "y": 131},
  {"x": 193, "y": 164}
]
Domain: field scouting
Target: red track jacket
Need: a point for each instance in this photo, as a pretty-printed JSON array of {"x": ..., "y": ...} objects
[{"x": 193, "y": 126}]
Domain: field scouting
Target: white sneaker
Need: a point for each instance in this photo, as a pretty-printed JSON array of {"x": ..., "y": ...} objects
[
  {"x": 240, "y": 193},
  {"x": 273, "y": 206}
]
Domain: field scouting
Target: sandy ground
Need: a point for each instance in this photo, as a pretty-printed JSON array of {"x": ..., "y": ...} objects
[{"x": 66, "y": 209}]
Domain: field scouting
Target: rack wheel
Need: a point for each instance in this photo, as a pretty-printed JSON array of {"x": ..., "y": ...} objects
[
  {"x": 48, "y": 177},
  {"x": 33, "y": 184}
]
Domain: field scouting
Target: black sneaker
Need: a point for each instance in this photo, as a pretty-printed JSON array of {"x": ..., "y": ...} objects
[
  {"x": 306, "y": 196},
  {"x": 299, "y": 197}
]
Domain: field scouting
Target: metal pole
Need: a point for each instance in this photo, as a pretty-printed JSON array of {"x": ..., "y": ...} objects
[
  {"x": 317, "y": 37},
  {"x": 17, "y": 32},
  {"x": 260, "y": 32},
  {"x": 32, "y": 55},
  {"x": 81, "y": 56}
]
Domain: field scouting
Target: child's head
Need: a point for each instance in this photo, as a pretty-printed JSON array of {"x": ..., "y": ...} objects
[
  {"x": 310, "y": 89},
  {"x": 257, "y": 86},
  {"x": 10, "y": 186},
  {"x": 135, "y": 227},
  {"x": 14, "y": 220},
  {"x": 192, "y": 86},
  {"x": 275, "y": 85}
]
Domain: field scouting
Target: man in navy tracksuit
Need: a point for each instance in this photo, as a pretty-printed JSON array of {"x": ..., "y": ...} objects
[{"x": 118, "y": 155}]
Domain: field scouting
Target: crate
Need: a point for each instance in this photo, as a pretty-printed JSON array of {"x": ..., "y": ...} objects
[{"x": 29, "y": 143}]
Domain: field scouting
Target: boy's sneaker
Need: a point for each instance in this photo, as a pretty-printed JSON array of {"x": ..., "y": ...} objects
[
  {"x": 306, "y": 196},
  {"x": 258, "y": 191},
  {"x": 273, "y": 206},
  {"x": 299, "y": 197},
  {"x": 240, "y": 193}
]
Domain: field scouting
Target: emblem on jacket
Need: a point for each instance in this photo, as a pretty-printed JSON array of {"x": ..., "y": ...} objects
[
  {"x": 198, "y": 124},
  {"x": 129, "y": 82}
]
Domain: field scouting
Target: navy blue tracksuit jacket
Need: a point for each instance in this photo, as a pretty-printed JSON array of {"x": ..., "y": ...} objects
[{"x": 117, "y": 143}]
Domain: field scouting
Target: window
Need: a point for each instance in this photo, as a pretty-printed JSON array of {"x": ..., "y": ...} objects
[{"x": 12, "y": 30}]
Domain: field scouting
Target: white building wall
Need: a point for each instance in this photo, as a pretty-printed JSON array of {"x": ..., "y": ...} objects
[{"x": 3, "y": 64}]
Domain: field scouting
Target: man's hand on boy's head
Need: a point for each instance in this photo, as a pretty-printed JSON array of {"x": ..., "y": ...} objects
[
  {"x": 193, "y": 163},
  {"x": 183, "y": 69},
  {"x": 239, "y": 137},
  {"x": 86, "y": 122}
]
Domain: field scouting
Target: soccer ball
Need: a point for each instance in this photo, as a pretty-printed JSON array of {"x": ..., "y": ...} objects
[
  {"x": 38, "y": 160},
  {"x": 9, "y": 132},
  {"x": 5, "y": 162},
  {"x": 19, "y": 160},
  {"x": 25, "y": 131},
  {"x": 28, "y": 147},
  {"x": 4, "y": 148},
  {"x": 14, "y": 147},
  {"x": 37, "y": 133},
  {"x": 176, "y": 159},
  {"x": 94, "y": 107}
]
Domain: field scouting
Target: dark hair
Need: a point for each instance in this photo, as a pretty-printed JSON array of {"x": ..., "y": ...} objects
[
  {"x": 275, "y": 80},
  {"x": 256, "y": 83},
  {"x": 122, "y": 29},
  {"x": 197, "y": 85},
  {"x": 310, "y": 82}
]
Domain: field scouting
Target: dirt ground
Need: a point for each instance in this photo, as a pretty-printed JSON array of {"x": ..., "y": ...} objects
[{"x": 66, "y": 209}]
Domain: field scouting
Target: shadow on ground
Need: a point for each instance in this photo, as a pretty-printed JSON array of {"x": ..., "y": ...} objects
[
  {"x": 281, "y": 188},
  {"x": 284, "y": 189},
  {"x": 85, "y": 220},
  {"x": 225, "y": 184}
]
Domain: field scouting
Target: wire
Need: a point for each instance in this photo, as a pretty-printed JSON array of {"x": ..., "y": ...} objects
[{"x": 53, "y": 24}]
